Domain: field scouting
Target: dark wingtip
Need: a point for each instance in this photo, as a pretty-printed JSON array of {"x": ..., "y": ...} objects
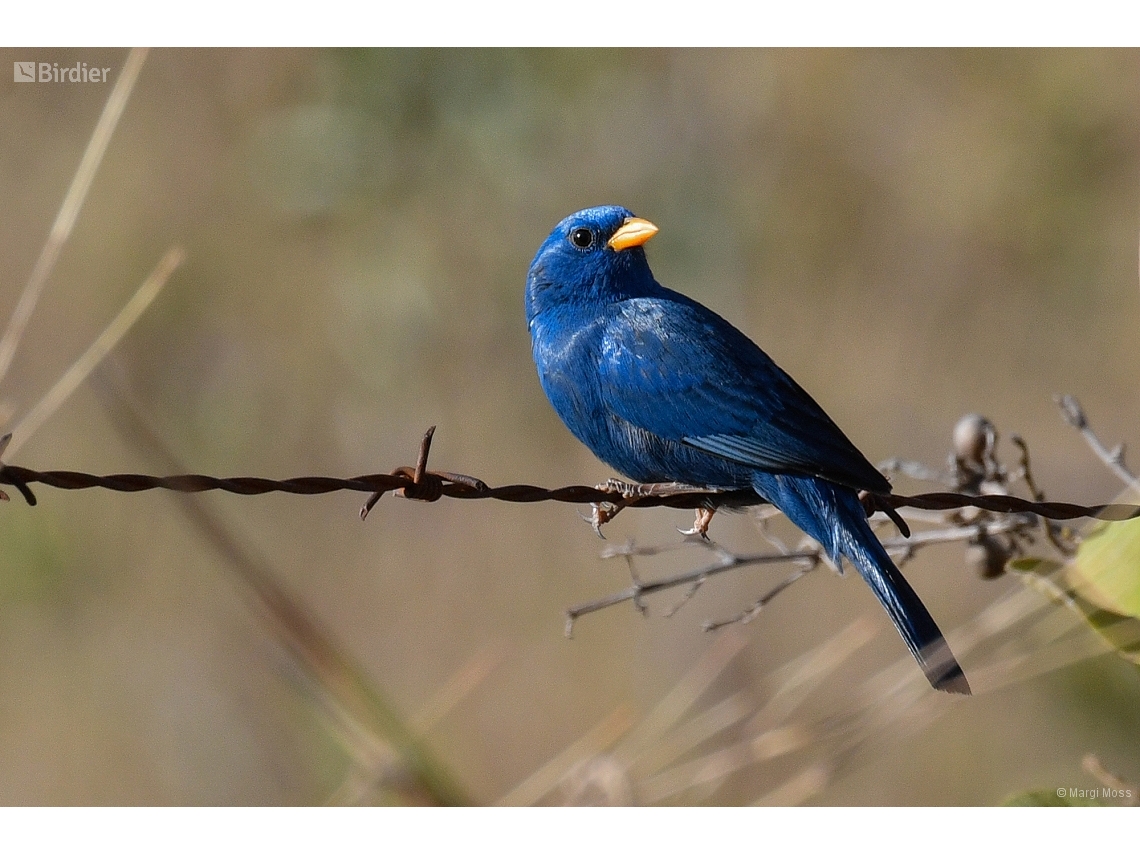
[
  {"x": 942, "y": 669},
  {"x": 954, "y": 682}
]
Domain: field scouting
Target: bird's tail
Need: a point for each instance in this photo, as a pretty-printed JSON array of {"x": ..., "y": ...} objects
[{"x": 834, "y": 516}]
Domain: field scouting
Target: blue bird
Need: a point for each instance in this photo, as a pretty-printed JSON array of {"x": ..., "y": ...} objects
[{"x": 663, "y": 389}]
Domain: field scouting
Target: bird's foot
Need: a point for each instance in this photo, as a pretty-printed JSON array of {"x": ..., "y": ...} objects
[
  {"x": 700, "y": 524},
  {"x": 625, "y": 489},
  {"x": 603, "y": 512}
]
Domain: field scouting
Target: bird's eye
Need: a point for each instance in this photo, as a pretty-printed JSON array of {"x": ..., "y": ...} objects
[{"x": 582, "y": 238}]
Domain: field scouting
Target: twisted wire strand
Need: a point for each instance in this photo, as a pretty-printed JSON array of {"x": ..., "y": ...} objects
[{"x": 432, "y": 486}]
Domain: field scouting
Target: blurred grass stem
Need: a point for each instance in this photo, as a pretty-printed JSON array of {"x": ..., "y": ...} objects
[
  {"x": 82, "y": 367},
  {"x": 360, "y": 711},
  {"x": 69, "y": 210}
]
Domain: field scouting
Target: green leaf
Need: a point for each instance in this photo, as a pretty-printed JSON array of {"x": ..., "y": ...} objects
[
  {"x": 1032, "y": 564},
  {"x": 1072, "y": 589},
  {"x": 1107, "y": 566}
]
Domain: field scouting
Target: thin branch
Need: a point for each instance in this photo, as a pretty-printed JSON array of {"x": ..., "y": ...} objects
[
  {"x": 1114, "y": 459},
  {"x": 69, "y": 209},
  {"x": 727, "y": 561},
  {"x": 954, "y": 534},
  {"x": 749, "y": 614},
  {"x": 1053, "y": 531},
  {"x": 914, "y": 469}
]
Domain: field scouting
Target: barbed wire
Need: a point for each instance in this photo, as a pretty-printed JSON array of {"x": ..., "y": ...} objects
[{"x": 420, "y": 483}]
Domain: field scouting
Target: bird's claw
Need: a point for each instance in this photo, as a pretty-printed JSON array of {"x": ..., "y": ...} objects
[
  {"x": 700, "y": 525},
  {"x": 600, "y": 514}
]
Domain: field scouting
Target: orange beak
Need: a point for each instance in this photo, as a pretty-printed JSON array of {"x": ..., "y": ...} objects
[{"x": 633, "y": 232}]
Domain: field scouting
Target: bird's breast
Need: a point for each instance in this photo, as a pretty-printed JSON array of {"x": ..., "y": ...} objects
[{"x": 566, "y": 352}]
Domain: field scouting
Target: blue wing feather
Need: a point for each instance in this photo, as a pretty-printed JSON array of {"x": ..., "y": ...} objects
[{"x": 677, "y": 370}]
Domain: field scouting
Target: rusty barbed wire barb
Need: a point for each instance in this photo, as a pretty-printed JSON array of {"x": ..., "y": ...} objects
[{"x": 423, "y": 484}]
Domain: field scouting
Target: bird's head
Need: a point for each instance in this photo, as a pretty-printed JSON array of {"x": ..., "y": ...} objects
[{"x": 592, "y": 257}]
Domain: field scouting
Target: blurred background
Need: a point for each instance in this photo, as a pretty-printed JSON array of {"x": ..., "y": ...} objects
[{"x": 912, "y": 234}]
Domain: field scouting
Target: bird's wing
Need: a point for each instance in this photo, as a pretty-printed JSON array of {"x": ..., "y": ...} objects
[{"x": 678, "y": 370}]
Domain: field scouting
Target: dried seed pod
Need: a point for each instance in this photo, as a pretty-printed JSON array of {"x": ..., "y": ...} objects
[{"x": 973, "y": 436}]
